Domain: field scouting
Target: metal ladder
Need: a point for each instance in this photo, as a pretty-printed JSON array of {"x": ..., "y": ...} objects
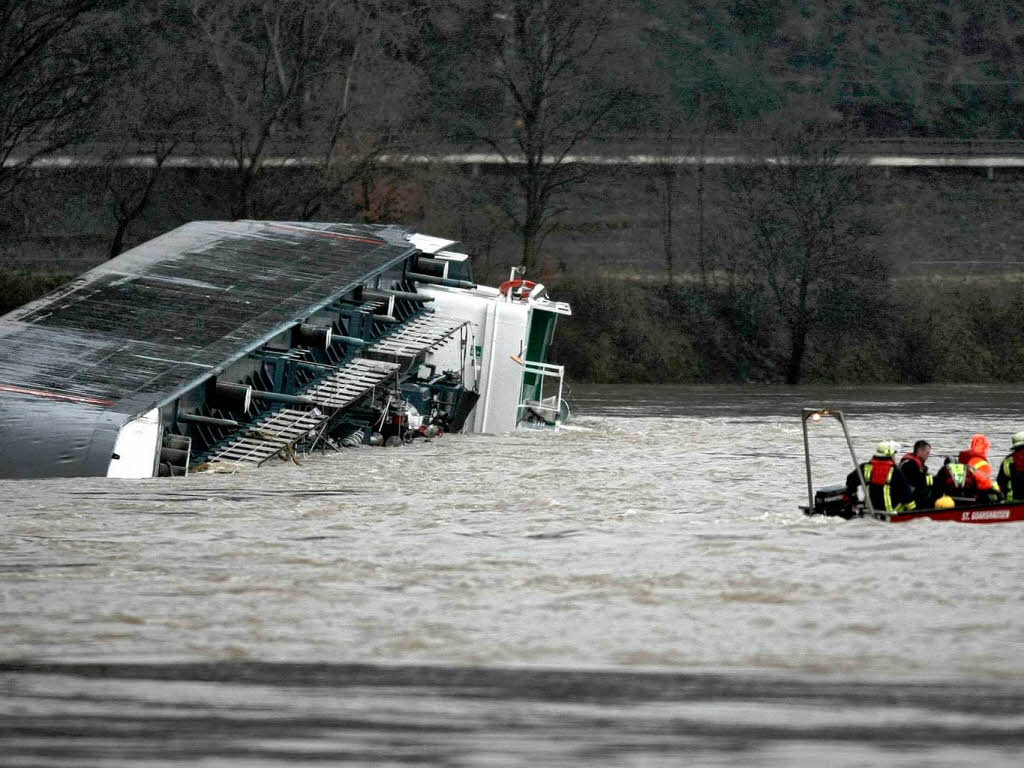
[
  {"x": 424, "y": 333},
  {"x": 279, "y": 430}
]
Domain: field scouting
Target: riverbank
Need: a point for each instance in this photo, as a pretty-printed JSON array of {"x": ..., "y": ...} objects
[
  {"x": 20, "y": 286},
  {"x": 917, "y": 330}
]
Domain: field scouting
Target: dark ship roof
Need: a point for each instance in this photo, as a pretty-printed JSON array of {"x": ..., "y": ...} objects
[{"x": 139, "y": 330}]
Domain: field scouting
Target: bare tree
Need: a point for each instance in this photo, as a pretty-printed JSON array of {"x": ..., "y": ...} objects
[
  {"x": 366, "y": 102},
  {"x": 670, "y": 175},
  {"x": 262, "y": 54},
  {"x": 129, "y": 186},
  {"x": 151, "y": 110},
  {"x": 295, "y": 68},
  {"x": 667, "y": 177},
  {"x": 802, "y": 237},
  {"x": 682, "y": 183},
  {"x": 545, "y": 56},
  {"x": 51, "y": 68}
]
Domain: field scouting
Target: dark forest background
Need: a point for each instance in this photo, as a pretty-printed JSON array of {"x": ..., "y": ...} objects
[{"x": 815, "y": 269}]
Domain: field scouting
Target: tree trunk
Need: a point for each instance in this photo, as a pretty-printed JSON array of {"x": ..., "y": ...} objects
[
  {"x": 797, "y": 348},
  {"x": 701, "y": 153},
  {"x": 701, "y": 258},
  {"x": 529, "y": 253},
  {"x": 533, "y": 220},
  {"x": 117, "y": 244},
  {"x": 667, "y": 231}
]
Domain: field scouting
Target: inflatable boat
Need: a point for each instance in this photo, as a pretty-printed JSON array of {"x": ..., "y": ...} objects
[{"x": 836, "y": 500}]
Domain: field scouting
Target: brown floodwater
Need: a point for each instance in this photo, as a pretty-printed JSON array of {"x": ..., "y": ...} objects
[{"x": 635, "y": 588}]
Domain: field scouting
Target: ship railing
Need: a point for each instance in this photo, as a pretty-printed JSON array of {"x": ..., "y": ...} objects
[{"x": 545, "y": 371}]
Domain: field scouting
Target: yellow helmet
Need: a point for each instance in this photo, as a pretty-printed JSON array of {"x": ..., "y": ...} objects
[{"x": 944, "y": 502}]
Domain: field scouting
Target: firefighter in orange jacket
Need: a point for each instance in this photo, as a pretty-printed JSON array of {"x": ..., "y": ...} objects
[
  {"x": 971, "y": 474},
  {"x": 888, "y": 489},
  {"x": 1011, "y": 471}
]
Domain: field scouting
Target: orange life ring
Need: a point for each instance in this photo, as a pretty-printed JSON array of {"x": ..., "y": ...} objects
[{"x": 525, "y": 287}]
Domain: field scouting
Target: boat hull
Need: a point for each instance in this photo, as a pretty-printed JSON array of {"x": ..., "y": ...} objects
[
  {"x": 978, "y": 514},
  {"x": 981, "y": 514}
]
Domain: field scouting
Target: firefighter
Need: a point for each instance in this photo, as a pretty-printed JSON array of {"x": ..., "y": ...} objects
[
  {"x": 1011, "y": 471},
  {"x": 915, "y": 470},
  {"x": 887, "y": 487},
  {"x": 970, "y": 476}
]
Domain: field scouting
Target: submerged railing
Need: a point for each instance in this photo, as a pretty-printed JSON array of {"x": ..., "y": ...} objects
[{"x": 545, "y": 371}]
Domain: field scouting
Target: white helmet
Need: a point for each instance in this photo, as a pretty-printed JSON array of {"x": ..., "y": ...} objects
[
  {"x": 1017, "y": 440},
  {"x": 887, "y": 448}
]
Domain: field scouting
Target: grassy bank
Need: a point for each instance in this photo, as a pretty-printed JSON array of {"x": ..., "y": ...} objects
[
  {"x": 20, "y": 286},
  {"x": 915, "y": 331},
  {"x": 918, "y": 330}
]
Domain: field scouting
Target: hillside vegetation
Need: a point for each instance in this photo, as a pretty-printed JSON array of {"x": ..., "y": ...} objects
[
  {"x": 939, "y": 330},
  {"x": 812, "y": 270}
]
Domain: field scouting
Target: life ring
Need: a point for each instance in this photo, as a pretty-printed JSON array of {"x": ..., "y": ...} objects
[{"x": 524, "y": 287}]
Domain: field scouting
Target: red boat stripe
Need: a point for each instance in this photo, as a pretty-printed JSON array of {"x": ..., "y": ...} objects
[
  {"x": 997, "y": 513},
  {"x": 56, "y": 395}
]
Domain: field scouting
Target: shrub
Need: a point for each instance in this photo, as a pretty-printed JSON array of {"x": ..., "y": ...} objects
[{"x": 18, "y": 287}]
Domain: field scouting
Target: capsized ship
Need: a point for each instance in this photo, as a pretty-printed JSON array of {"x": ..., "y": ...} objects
[{"x": 236, "y": 342}]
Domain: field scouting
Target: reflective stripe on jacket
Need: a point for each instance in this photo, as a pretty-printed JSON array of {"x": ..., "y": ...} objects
[
  {"x": 878, "y": 474},
  {"x": 982, "y": 472},
  {"x": 957, "y": 472},
  {"x": 1011, "y": 476}
]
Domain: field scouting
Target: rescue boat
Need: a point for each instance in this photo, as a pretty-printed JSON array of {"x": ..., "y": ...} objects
[{"x": 836, "y": 501}]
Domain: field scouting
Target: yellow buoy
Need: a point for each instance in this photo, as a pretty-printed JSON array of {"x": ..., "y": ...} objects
[{"x": 944, "y": 502}]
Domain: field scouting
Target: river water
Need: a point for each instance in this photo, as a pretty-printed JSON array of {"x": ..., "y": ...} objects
[{"x": 636, "y": 589}]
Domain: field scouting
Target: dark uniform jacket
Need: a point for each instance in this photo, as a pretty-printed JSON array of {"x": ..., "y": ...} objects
[
  {"x": 889, "y": 489},
  {"x": 916, "y": 473},
  {"x": 1011, "y": 475}
]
